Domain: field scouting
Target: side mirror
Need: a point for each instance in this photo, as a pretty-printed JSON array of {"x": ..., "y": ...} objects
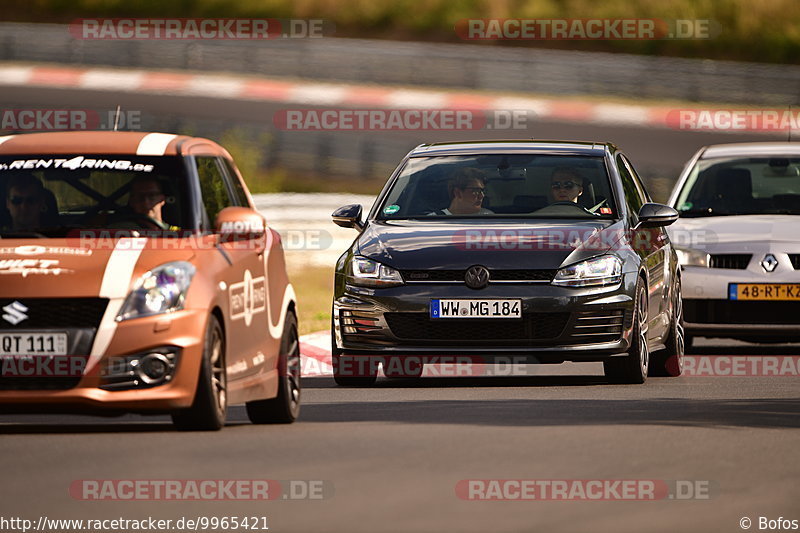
[
  {"x": 656, "y": 216},
  {"x": 235, "y": 224},
  {"x": 348, "y": 216}
]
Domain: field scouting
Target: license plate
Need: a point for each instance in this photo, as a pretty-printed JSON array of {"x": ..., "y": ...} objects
[
  {"x": 507, "y": 308},
  {"x": 764, "y": 291},
  {"x": 33, "y": 343}
]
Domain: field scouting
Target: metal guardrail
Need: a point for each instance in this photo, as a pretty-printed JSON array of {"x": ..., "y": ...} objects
[{"x": 428, "y": 64}]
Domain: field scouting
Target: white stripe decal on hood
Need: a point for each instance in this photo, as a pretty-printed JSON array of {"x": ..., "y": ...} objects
[
  {"x": 115, "y": 285},
  {"x": 154, "y": 144}
]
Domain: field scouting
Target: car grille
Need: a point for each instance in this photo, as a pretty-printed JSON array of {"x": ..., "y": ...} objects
[
  {"x": 732, "y": 261},
  {"x": 795, "y": 259},
  {"x": 494, "y": 275},
  {"x": 532, "y": 326},
  {"x": 741, "y": 312},
  {"x": 598, "y": 326},
  {"x": 58, "y": 313}
]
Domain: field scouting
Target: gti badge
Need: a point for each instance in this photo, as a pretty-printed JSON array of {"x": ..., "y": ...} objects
[
  {"x": 769, "y": 263},
  {"x": 476, "y": 277},
  {"x": 15, "y": 313}
]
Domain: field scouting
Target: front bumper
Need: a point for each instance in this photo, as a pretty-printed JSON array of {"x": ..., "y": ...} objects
[
  {"x": 708, "y": 311},
  {"x": 559, "y": 323},
  {"x": 182, "y": 331}
]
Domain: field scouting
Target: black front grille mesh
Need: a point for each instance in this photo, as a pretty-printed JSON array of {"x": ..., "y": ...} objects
[
  {"x": 48, "y": 313},
  {"x": 532, "y": 326},
  {"x": 741, "y": 312}
]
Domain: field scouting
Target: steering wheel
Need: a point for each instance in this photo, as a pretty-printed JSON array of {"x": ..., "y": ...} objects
[
  {"x": 564, "y": 204},
  {"x": 144, "y": 221}
]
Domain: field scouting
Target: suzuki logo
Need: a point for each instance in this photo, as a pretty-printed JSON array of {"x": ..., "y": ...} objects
[
  {"x": 769, "y": 263},
  {"x": 15, "y": 313},
  {"x": 477, "y": 277}
]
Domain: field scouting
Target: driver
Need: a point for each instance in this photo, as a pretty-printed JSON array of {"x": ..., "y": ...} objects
[
  {"x": 467, "y": 190},
  {"x": 25, "y": 202},
  {"x": 566, "y": 185},
  {"x": 145, "y": 200}
]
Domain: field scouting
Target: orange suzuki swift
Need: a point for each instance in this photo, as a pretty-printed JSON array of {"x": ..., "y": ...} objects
[{"x": 136, "y": 276}]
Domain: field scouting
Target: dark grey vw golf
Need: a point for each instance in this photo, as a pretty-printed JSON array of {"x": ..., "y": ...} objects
[{"x": 535, "y": 251}]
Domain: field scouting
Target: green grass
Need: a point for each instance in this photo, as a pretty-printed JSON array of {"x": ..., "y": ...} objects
[
  {"x": 314, "y": 289},
  {"x": 754, "y": 30}
]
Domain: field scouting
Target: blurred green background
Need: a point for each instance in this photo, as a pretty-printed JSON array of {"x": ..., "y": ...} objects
[{"x": 749, "y": 30}]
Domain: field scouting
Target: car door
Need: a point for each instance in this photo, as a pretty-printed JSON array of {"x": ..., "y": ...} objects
[
  {"x": 648, "y": 243},
  {"x": 244, "y": 279}
]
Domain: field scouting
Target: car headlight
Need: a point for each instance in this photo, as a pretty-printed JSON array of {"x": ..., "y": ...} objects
[
  {"x": 161, "y": 290},
  {"x": 368, "y": 273},
  {"x": 600, "y": 271},
  {"x": 689, "y": 257}
]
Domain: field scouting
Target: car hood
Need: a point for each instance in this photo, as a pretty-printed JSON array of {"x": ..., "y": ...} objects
[
  {"x": 446, "y": 245},
  {"x": 63, "y": 268},
  {"x": 741, "y": 232}
]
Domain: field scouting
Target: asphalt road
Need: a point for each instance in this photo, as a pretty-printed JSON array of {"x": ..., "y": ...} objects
[{"x": 391, "y": 456}]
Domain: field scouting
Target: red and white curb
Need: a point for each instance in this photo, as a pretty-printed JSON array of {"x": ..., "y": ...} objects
[
  {"x": 315, "y": 354},
  {"x": 321, "y": 94}
]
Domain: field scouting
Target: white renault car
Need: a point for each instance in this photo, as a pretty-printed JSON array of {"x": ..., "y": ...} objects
[{"x": 738, "y": 241}]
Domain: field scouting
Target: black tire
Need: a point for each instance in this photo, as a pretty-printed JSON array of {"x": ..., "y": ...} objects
[
  {"x": 349, "y": 371},
  {"x": 632, "y": 368},
  {"x": 669, "y": 361},
  {"x": 688, "y": 342},
  {"x": 210, "y": 404},
  {"x": 285, "y": 407},
  {"x": 402, "y": 368}
]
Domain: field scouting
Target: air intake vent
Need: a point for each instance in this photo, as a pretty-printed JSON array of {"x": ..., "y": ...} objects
[{"x": 732, "y": 261}]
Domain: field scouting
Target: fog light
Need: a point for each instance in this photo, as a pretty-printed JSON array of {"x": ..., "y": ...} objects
[{"x": 153, "y": 368}]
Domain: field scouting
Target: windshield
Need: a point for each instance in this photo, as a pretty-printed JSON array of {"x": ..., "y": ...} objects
[
  {"x": 500, "y": 186},
  {"x": 50, "y": 195},
  {"x": 742, "y": 186}
]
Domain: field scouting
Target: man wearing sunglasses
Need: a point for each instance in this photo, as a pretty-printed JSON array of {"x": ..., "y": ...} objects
[
  {"x": 467, "y": 190},
  {"x": 566, "y": 185},
  {"x": 25, "y": 202}
]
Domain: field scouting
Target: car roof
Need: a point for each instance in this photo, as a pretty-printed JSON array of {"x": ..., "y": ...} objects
[
  {"x": 529, "y": 146},
  {"x": 108, "y": 142},
  {"x": 751, "y": 149}
]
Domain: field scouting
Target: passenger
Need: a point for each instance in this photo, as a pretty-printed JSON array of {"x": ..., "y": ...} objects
[{"x": 25, "y": 202}]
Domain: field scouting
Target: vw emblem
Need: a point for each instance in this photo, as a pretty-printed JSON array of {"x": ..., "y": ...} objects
[
  {"x": 15, "y": 313},
  {"x": 769, "y": 263},
  {"x": 477, "y": 277}
]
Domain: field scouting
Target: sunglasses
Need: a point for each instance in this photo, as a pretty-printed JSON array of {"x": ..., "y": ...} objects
[
  {"x": 19, "y": 200},
  {"x": 563, "y": 185}
]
